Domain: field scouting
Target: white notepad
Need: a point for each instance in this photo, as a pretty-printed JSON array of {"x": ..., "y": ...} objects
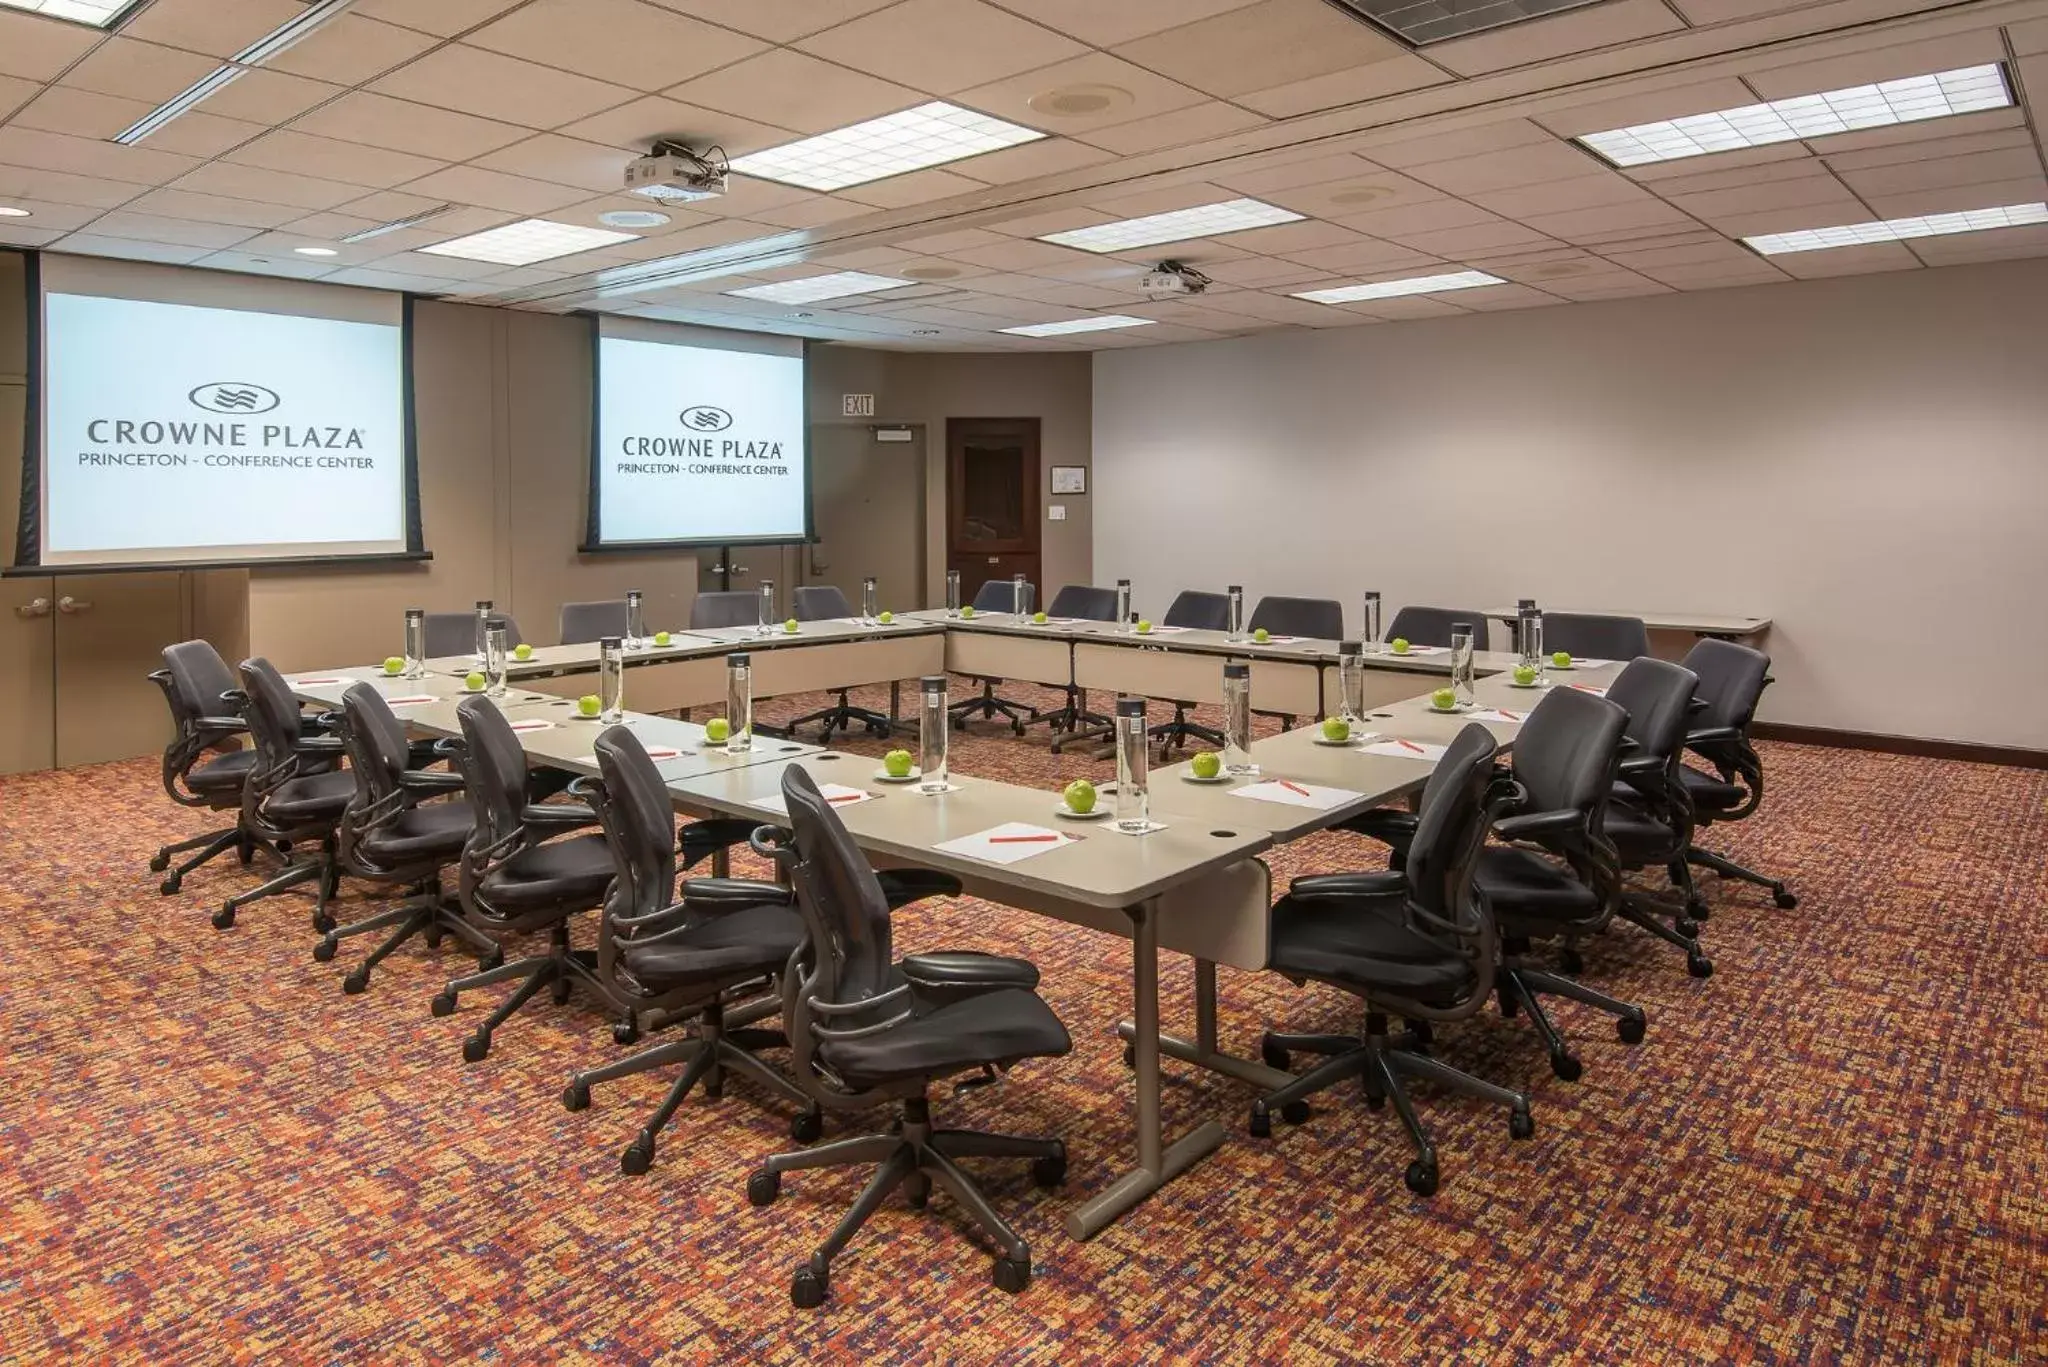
[
  {"x": 1407, "y": 749},
  {"x": 838, "y": 794},
  {"x": 1009, "y": 843},
  {"x": 1294, "y": 794}
]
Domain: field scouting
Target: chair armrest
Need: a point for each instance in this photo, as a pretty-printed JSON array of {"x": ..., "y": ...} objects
[
  {"x": 1534, "y": 825},
  {"x": 955, "y": 975},
  {"x": 558, "y": 816},
  {"x": 901, "y": 887},
  {"x": 1388, "y": 825},
  {"x": 320, "y": 745},
  {"x": 322, "y": 721},
  {"x": 1640, "y": 766},
  {"x": 1384, "y": 883},
  {"x": 220, "y": 724},
  {"x": 430, "y": 781},
  {"x": 713, "y": 895},
  {"x": 1708, "y": 735}
]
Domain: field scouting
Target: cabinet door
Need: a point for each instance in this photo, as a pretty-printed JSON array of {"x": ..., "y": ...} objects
[
  {"x": 28, "y": 625},
  {"x": 110, "y": 633}
]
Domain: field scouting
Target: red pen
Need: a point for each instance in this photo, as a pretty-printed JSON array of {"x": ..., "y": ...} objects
[
  {"x": 1505, "y": 713},
  {"x": 1021, "y": 839},
  {"x": 1410, "y": 745},
  {"x": 1293, "y": 787},
  {"x": 847, "y": 797}
]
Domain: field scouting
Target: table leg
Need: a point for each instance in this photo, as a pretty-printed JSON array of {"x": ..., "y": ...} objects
[
  {"x": 895, "y": 705},
  {"x": 1158, "y": 1162},
  {"x": 1202, "y": 1052}
]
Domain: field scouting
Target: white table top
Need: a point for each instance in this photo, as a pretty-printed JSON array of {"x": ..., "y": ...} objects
[{"x": 1699, "y": 623}]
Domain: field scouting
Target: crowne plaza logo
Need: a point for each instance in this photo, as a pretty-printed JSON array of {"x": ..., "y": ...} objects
[{"x": 234, "y": 396}]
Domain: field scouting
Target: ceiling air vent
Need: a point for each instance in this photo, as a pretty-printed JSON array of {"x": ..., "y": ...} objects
[{"x": 1421, "y": 22}]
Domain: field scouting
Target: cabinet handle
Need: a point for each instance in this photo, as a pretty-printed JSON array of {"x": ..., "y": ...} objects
[
  {"x": 70, "y": 606},
  {"x": 35, "y": 607}
]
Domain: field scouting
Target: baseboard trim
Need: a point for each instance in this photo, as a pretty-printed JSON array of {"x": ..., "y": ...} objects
[{"x": 1968, "y": 751}]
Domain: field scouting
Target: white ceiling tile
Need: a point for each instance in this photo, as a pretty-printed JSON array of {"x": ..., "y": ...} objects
[
  {"x": 254, "y": 258},
  {"x": 1714, "y": 277},
  {"x": 1403, "y": 152},
  {"x": 268, "y": 97},
  {"x": 1027, "y": 161},
  {"x": 951, "y": 243},
  {"x": 635, "y": 127},
  {"x": 137, "y": 70},
  {"x": 1007, "y": 255},
  {"x": 1120, "y": 202},
  {"x": 19, "y": 90},
  {"x": 1555, "y": 35},
  {"x": 1734, "y": 167},
  {"x": 351, "y": 50},
  {"x": 1875, "y": 256},
  {"x": 35, "y": 149},
  {"x": 1820, "y": 192},
  {"x": 493, "y": 190},
  {"x": 213, "y": 208},
  {"x": 210, "y": 27},
  {"x": 1778, "y": 80},
  {"x": 19, "y": 183},
  {"x": 1719, "y": 253},
  {"x": 794, "y": 90},
  {"x": 1928, "y": 138},
  {"x": 1583, "y": 225},
  {"x": 622, "y": 41},
  {"x": 272, "y": 186},
  {"x": 1051, "y": 221},
  {"x": 81, "y": 113},
  {"x": 1801, "y": 167},
  {"x": 1197, "y": 123},
  {"x": 1462, "y": 244},
  {"x": 93, "y": 244},
  {"x": 778, "y": 21},
  {"x": 2028, "y": 36},
  {"x": 1417, "y": 219},
  {"x": 1261, "y": 272},
  {"x": 473, "y": 81},
  {"x": 181, "y": 231},
  {"x": 1105, "y": 23},
  {"x": 2014, "y": 163},
  {"x": 1356, "y": 85},
  {"x": 1406, "y": 307},
  {"x": 941, "y": 46},
  {"x": 37, "y": 49},
  {"x": 1366, "y": 256},
  {"x": 1703, "y": 12},
  {"x": 402, "y": 126},
  {"x": 1123, "y": 91},
  {"x": 199, "y": 134},
  {"x": 1998, "y": 244},
  {"x": 1504, "y": 170},
  {"x": 443, "y": 18},
  {"x": 374, "y": 278},
  {"x": 1950, "y": 198},
  {"x": 1664, "y": 102},
  {"x": 1260, "y": 46},
  {"x": 1260, "y": 179},
  {"x": 918, "y": 187},
  {"x": 327, "y": 159},
  {"x": 49, "y": 214},
  {"x": 563, "y": 161},
  {"x": 1498, "y": 298},
  {"x": 1561, "y": 196}
]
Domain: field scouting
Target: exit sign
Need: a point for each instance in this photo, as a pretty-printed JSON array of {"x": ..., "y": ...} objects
[{"x": 857, "y": 406}]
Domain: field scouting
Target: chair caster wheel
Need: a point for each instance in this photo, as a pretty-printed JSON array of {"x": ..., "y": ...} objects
[
  {"x": 1421, "y": 1178},
  {"x": 1012, "y": 1274},
  {"x": 1130, "y": 1056},
  {"x": 432, "y": 937},
  {"x": 625, "y": 1034},
  {"x": 170, "y": 885},
  {"x": 575, "y": 1097},
  {"x": 224, "y": 918},
  {"x": 637, "y": 1159},
  {"x": 1261, "y": 1126},
  {"x": 1699, "y": 911},
  {"x": 1295, "y": 1113},
  {"x": 486, "y": 962},
  {"x": 763, "y": 1187},
  {"x": 807, "y": 1127},
  {"x": 1375, "y": 1101},
  {"x": 476, "y": 1048},
  {"x": 1687, "y": 927},
  {"x": 1567, "y": 1067},
  {"x": 1629, "y": 1030},
  {"x": 355, "y": 983},
  {"x": 1571, "y": 961},
  {"x": 1274, "y": 1057},
  {"x": 322, "y": 922},
  {"x": 1049, "y": 1172},
  {"x": 1018, "y": 728},
  {"x": 159, "y": 862},
  {"x": 1785, "y": 900},
  {"x": 1699, "y": 965},
  {"x": 807, "y": 1288},
  {"x": 443, "y": 1004},
  {"x": 1521, "y": 1125},
  {"x": 323, "y": 949}
]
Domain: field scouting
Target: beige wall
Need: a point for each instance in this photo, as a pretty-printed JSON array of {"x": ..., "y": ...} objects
[{"x": 1863, "y": 459}]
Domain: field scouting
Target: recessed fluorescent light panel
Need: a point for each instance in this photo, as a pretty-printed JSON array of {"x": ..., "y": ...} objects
[
  {"x": 528, "y": 241},
  {"x": 1101, "y": 322},
  {"x": 409, "y": 221},
  {"x": 98, "y": 13},
  {"x": 1910, "y": 99},
  {"x": 1181, "y": 225},
  {"x": 815, "y": 289},
  {"x": 908, "y": 140},
  {"x": 1898, "y": 229},
  {"x": 1432, "y": 21},
  {"x": 1395, "y": 289},
  {"x": 295, "y": 30}
]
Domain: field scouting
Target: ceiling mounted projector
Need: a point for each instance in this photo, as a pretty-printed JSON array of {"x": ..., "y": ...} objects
[
  {"x": 1171, "y": 278},
  {"x": 675, "y": 173}
]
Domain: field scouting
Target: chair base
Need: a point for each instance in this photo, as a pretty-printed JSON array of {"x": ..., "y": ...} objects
[
  {"x": 1380, "y": 1061},
  {"x": 425, "y": 915},
  {"x": 914, "y": 1157},
  {"x": 1520, "y": 988},
  {"x": 706, "y": 1056},
  {"x": 1174, "y": 735},
  {"x": 210, "y": 846},
  {"x": 990, "y": 706},
  {"x": 1675, "y": 924},
  {"x": 1785, "y": 898},
  {"x": 844, "y": 716},
  {"x": 556, "y": 970},
  {"x": 322, "y": 867}
]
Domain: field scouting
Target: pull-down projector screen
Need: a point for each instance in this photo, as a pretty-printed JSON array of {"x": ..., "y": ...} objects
[
  {"x": 202, "y": 418},
  {"x": 698, "y": 438}
]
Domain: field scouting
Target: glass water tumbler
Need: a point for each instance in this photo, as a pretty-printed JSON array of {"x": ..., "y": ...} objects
[
  {"x": 933, "y": 723},
  {"x": 952, "y": 593},
  {"x": 739, "y": 703},
  {"x": 767, "y": 607},
  {"x": 1133, "y": 795},
  {"x": 1351, "y": 680},
  {"x": 1123, "y": 605},
  {"x": 1237, "y": 719},
  {"x": 636, "y": 621},
  {"x": 1020, "y": 596},
  {"x": 1524, "y": 609},
  {"x": 495, "y": 651},
  {"x": 1532, "y": 640},
  {"x": 870, "y": 601},
  {"x": 1461, "y": 662},
  {"x": 483, "y": 624},
  {"x": 1236, "y": 622},
  {"x": 611, "y": 681},
  {"x": 415, "y": 643},
  {"x": 1370, "y": 626}
]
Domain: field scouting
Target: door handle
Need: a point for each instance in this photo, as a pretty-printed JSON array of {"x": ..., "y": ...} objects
[
  {"x": 737, "y": 570},
  {"x": 35, "y": 607},
  {"x": 70, "y": 606}
]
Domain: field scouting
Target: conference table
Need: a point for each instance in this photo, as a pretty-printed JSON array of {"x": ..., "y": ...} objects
[
  {"x": 1193, "y": 884},
  {"x": 1719, "y": 625}
]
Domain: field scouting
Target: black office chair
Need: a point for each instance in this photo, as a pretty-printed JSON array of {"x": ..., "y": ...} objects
[
  {"x": 393, "y": 832},
  {"x": 1417, "y": 942},
  {"x": 724, "y": 941},
  {"x": 1650, "y": 820},
  {"x": 293, "y": 796},
  {"x": 1595, "y": 636},
  {"x": 1316, "y": 618},
  {"x": 583, "y": 623},
  {"x": 1072, "y": 722},
  {"x": 1732, "y": 681},
  {"x": 726, "y": 608},
  {"x": 1198, "y": 611},
  {"x": 995, "y": 596},
  {"x": 865, "y": 1028},
  {"x": 1420, "y": 626},
  {"x": 822, "y": 603},
  {"x": 454, "y": 633},
  {"x": 528, "y": 867},
  {"x": 199, "y": 770}
]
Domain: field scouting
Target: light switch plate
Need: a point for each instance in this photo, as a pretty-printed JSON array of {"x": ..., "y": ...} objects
[{"x": 1055, "y": 512}]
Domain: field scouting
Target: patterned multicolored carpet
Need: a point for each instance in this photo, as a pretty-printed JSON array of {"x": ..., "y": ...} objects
[{"x": 1832, "y": 1150}]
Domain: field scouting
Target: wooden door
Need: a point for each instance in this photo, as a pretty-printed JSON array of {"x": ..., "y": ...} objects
[
  {"x": 867, "y": 498},
  {"x": 111, "y": 632},
  {"x": 28, "y": 679},
  {"x": 992, "y": 529}
]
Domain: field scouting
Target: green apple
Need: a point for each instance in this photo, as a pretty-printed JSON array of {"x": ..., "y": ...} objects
[
  {"x": 473, "y": 680},
  {"x": 394, "y": 665},
  {"x": 662, "y": 638},
  {"x": 1262, "y": 635},
  {"x": 1143, "y": 626},
  {"x": 1444, "y": 699},
  {"x": 588, "y": 704},
  {"x": 1562, "y": 659},
  {"x": 1336, "y": 728},
  {"x": 1399, "y": 645},
  {"x": 886, "y": 618},
  {"x": 522, "y": 651},
  {"x": 717, "y": 729},
  {"x": 897, "y": 764},
  {"x": 1525, "y": 675},
  {"x": 1080, "y": 796},
  {"x": 790, "y": 625},
  {"x": 1207, "y": 764},
  {"x": 1039, "y": 618},
  {"x": 967, "y": 611}
]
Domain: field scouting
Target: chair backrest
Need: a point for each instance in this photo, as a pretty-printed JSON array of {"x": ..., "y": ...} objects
[
  {"x": 1421, "y": 626},
  {"x": 639, "y": 827},
  {"x": 1566, "y": 751},
  {"x": 582, "y": 623},
  {"x": 454, "y": 633},
  {"x": 1444, "y": 855},
  {"x": 494, "y": 776},
  {"x": 1196, "y": 610},
  {"x": 1321, "y": 618},
  {"x": 726, "y": 608},
  {"x": 839, "y": 897},
  {"x": 994, "y": 596},
  {"x": 818, "y": 603},
  {"x": 1657, "y": 695},
  {"x": 1084, "y": 601},
  {"x": 199, "y": 679},
  {"x": 1596, "y": 635},
  {"x": 375, "y": 740},
  {"x": 273, "y": 716},
  {"x": 1731, "y": 682}
]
